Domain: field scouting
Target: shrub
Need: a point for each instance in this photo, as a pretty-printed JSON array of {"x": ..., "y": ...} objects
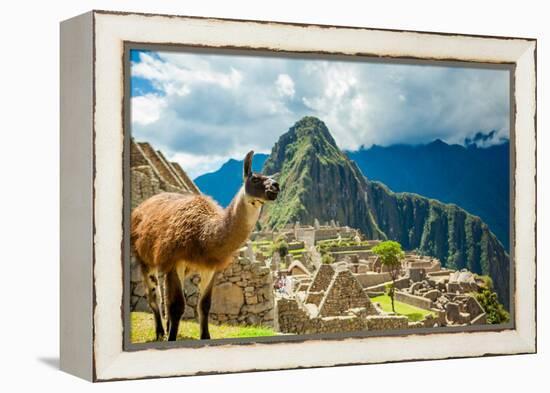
[
  {"x": 487, "y": 298},
  {"x": 327, "y": 259},
  {"x": 281, "y": 246}
]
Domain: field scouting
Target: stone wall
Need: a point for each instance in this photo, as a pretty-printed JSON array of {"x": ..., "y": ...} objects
[
  {"x": 294, "y": 319},
  {"x": 305, "y": 235},
  {"x": 257, "y": 236},
  {"x": 413, "y": 300},
  {"x": 243, "y": 294},
  {"x": 145, "y": 184},
  {"x": 387, "y": 322},
  {"x": 322, "y": 279},
  {"x": 138, "y": 301},
  {"x": 315, "y": 297},
  {"x": 344, "y": 293},
  {"x": 298, "y": 245},
  {"x": 325, "y": 234},
  {"x": 370, "y": 279},
  {"x": 400, "y": 283},
  {"x": 151, "y": 173},
  {"x": 350, "y": 248},
  {"x": 343, "y": 255}
]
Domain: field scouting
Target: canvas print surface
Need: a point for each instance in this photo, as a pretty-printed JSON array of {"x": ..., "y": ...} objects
[{"x": 283, "y": 195}]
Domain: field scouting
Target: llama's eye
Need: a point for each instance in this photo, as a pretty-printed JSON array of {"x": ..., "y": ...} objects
[{"x": 255, "y": 180}]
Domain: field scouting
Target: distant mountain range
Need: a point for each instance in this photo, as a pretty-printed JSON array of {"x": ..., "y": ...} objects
[
  {"x": 476, "y": 179},
  {"x": 223, "y": 184}
]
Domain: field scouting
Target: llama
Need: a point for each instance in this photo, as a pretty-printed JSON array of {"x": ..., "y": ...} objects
[{"x": 177, "y": 234}]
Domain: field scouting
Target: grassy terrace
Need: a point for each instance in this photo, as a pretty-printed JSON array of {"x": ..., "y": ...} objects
[
  {"x": 143, "y": 330},
  {"x": 348, "y": 252},
  {"x": 342, "y": 242},
  {"x": 413, "y": 313},
  {"x": 262, "y": 242},
  {"x": 266, "y": 248},
  {"x": 297, "y": 252},
  {"x": 263, "y": 246}
]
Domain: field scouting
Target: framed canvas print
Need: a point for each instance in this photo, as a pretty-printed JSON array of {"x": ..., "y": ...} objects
[{"x": 247, "y": 195}]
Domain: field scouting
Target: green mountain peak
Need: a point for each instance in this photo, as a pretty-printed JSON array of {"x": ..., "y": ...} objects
[{"x": 311, "y": 167}]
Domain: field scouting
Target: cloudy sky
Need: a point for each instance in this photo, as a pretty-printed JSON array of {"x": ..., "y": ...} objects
[{"x": 201, "y": 109}]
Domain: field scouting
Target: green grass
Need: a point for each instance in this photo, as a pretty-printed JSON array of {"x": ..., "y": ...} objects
[
  {"x": 414, "y": 314},
  {"x": 345, "y": 241},
  {"x": 262, "y": 242},
  {"x": 143, "y": 330},
  {"x": 348, "y": 252},
  {"x": 264, "y": 247}
]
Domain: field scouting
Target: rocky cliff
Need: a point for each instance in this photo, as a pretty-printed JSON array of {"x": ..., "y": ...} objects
[
  {"x": 152, "y": 173},
  {"x": 474, "y": 178},
  {"x": 319, "y": 181},
  {"x": 445, "y": 231}
]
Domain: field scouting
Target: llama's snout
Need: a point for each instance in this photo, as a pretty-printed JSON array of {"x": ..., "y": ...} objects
[{"x": 272, "y": 190}]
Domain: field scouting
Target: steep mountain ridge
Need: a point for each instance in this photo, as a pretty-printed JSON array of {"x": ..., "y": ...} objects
[{"x": 476, "y": 179}]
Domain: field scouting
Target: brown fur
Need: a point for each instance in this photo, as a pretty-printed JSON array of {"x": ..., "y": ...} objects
[{"x": 168, "y": 228}]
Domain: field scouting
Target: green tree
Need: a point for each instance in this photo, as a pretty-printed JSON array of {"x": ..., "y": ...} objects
[
  {"x": 281, "y": 246},
  {"x": 390, "y": 254},
  {"x": 487, "y": 298}
]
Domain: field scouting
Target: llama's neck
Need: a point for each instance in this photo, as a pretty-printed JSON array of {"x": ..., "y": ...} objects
[{"x": 237, "y": 222}]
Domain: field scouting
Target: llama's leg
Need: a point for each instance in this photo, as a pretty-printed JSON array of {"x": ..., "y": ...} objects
[
  {"x": 175, "y": 303},
  {"x": 150, "y": 278},
  {"x": 205, "y": 300}
]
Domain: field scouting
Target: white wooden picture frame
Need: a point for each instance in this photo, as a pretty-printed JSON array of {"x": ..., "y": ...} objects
[{"x": 92, "y": 195}]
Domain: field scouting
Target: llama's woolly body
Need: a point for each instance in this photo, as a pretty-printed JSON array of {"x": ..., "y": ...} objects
[{"x": 171, "y": 229}]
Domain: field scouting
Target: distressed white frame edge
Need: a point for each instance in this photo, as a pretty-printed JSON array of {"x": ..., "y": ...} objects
[
  {"x": 76, "y": 204},
  {"x": 111, "y": 30}
]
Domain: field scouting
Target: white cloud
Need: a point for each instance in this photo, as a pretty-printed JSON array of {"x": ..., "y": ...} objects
[
  {"x": 180, "y": 80},
  {"x": 147, "y": 109},
  {"x": 285, "y": 85},
  {"x": 207, "y": 108},
  {"x": 195, "y": 165}
]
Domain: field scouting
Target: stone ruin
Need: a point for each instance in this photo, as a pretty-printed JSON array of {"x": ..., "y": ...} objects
[
  {"x": 449, "y": 295},
  {"x": 151, "y": 173},
  {"x": 426, "y": 285},
  {"x": 243, "y": 293},
  {"x": 423, "y": 283},
  {"x": 333, "y": 301}
]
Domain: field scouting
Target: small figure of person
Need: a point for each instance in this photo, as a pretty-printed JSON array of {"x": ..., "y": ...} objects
[{"x": 280, "y": 284}]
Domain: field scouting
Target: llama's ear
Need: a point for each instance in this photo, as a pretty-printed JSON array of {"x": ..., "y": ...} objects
[{"x": 248, "y": 164}]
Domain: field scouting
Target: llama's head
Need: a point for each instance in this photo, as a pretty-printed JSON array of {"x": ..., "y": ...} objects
[{"x": 256, "y": 185}]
